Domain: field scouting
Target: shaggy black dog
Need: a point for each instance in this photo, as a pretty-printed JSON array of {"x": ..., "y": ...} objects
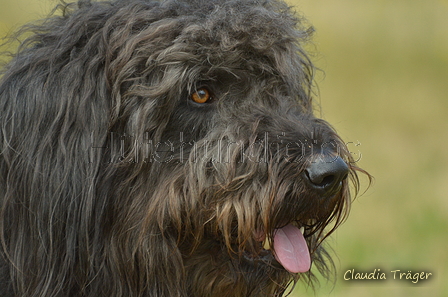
[{"x": 165, "y": 148}]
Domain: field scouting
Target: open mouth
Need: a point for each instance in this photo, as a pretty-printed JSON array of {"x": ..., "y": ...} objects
[{"x": 289, "y": 248}]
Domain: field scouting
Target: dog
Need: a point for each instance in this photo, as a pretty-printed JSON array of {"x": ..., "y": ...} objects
[{"x": 166, "y": 148}]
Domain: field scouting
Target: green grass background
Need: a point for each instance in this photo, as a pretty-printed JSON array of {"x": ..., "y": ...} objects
[{"x": 385, "y": 87}]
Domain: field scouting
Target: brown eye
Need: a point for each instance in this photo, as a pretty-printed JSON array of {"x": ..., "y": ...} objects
[{"x": 201, "y": 96}]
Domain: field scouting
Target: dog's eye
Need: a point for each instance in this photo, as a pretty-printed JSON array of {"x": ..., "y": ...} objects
[{"x": 201, "y": 96}]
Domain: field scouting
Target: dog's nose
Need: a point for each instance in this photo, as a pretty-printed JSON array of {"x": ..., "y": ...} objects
[{"x": 326, "y": 176}]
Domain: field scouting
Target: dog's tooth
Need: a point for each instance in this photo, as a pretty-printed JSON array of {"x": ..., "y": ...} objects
[
  {"x": 266, "y": 244},
  {"x": 302, "y": 230}
]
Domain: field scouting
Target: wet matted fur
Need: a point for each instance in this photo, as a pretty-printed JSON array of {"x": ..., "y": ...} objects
[{"x": 157, "y": 148}]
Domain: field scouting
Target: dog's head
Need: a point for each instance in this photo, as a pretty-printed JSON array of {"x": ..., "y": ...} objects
[{"x": 167, "y": 148}]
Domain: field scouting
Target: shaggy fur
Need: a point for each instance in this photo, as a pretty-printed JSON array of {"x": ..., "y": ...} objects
[{"x": 115, "y": 182}]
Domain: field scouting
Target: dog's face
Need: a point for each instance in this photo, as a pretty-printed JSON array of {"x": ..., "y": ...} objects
[{"x": 175, "y": 149}]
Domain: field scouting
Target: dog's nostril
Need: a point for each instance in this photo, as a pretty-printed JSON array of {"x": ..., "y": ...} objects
[
  {"x": 326, "y": 176},
  {"x": 328, "y": 180}
]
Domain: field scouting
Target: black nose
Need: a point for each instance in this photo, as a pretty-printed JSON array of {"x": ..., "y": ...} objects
[{"x": 326, "y": 176}]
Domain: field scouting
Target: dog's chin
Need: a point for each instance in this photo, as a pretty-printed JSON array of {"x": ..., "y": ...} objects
[{"x": 265, "y": 258}]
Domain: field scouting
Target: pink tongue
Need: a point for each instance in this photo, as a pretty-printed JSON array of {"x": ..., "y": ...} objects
[{"x": 291, "y": 249}]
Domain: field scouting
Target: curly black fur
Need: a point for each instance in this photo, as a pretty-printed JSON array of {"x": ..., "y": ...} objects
[{"x": 114, "y": 182}]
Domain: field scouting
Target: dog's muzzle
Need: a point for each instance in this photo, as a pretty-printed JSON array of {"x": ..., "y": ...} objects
[{"x": 324, "y": 176}]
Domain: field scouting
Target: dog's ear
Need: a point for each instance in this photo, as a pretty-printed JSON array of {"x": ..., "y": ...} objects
[
  {"x": 53, "y": 116},
  {"x": 57, "y": 107}
]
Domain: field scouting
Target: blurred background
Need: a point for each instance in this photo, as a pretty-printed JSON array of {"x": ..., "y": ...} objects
[{"x": 384, "y": 87}]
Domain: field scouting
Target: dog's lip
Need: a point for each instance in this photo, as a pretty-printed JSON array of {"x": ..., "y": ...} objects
[
  {"x": 260, "y": 234},
  {"x": 264, "y": 256}
]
